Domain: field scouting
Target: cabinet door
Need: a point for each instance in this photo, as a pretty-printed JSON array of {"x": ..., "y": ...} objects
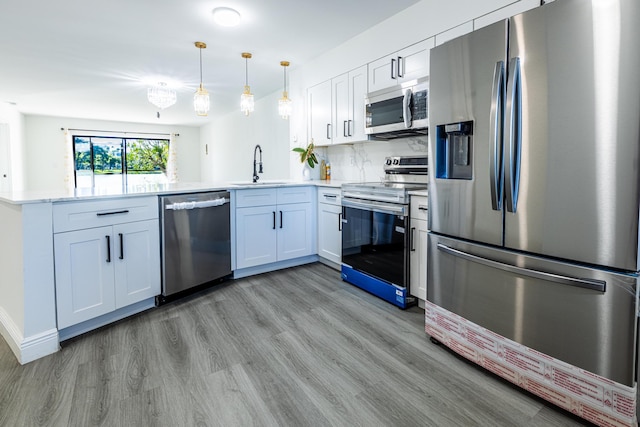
[
  {"x": 340, "y": 104},
  {"x": 255, "y": 236},
  {"x": 136, "y": 253},
  {"x": 319, "y": 107},
  {"x": 84, "y": 262},
  {"x": 330, "y": 232},
  {"x": 357, "y": 93},
  {"x": 418, "y": 259},
  {"x": 295, "y": 231},
  {"x": 414, "y": 61},
  {"x": 383, "y": 73}
]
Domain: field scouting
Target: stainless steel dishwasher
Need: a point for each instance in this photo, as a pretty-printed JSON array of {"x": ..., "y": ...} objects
[{"x": 196, "y": 242}]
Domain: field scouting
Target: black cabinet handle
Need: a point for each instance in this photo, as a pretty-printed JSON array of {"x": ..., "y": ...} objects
[
  {"x": 345, "y": 129},
  {"x": 108, "y": 248},
  {"x": 340, "y": 221},
  {"x": 400, "y": 66},
  {"x": 328, "y": 130},
  {"x": 280, "y": 219},
  {"x": 121, "y": 245},
  {"x": 413, "y": 238},
  {"x": 393, "y": 68},
  {"x": 113, "y": 213},
  {"x": 274, "y": 220}
]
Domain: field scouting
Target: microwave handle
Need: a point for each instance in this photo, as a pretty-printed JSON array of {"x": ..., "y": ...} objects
[{"x": 406, "y": 109}]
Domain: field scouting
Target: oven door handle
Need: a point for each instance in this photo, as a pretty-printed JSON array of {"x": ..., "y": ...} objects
[{"x": 386, "y": 208}]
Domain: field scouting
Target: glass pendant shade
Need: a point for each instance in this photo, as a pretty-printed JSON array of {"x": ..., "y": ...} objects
[
  {"x": 201, "y": 101},
  {"x": 284, "y": 106},
  {"x": 201, "y": 97},
  {"x": 284, "y": 103},
  {"x": 247, "y": 103},
  {"x": 161, "y": 95}
]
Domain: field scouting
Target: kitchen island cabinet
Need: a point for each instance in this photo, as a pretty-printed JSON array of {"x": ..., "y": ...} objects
[{"x": 107, "y": 258}]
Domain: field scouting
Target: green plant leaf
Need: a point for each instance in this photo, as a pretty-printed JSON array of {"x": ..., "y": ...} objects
[
  {"x": 299, "y": 150},
  {"x": 310, "y": 161}
]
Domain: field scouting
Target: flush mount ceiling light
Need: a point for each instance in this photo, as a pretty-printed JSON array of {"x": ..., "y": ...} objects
[
  {"x": 284, "y": 103},
  {"x": 201, "y": 97},
  {"x": 246, "y": 99},
  {"x": 226, "y": 16},
  {"x": 161, "y": 95}
]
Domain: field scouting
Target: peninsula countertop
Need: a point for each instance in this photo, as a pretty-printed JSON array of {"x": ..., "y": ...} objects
[{"x": 39, "y": 196}]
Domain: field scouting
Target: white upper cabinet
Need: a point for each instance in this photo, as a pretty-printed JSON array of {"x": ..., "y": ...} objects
[
  {"x": 454, "y": 32},
  {"x": 348, "y": 93},
  {"x": 336, "y": 109},
  {"x": 407, "y": 64},
  {"x": 319, "y": 108}
]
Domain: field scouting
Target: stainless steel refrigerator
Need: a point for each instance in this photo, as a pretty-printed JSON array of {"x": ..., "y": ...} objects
[{"x": 535, "y": 189}]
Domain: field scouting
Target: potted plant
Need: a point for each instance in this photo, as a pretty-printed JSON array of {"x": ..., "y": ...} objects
[{"x": 307, "y": 155}]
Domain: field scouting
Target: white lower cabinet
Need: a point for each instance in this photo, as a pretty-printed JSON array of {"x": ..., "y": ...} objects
[
  {"x": 267, "y": 233},
  {"x": 329, "y": 224},
  {"x": 418, "y": 247},
  {"x": 101, "y": 269}
]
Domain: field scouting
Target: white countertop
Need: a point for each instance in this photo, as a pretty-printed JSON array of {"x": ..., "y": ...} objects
[{"x": 38, "y": 196}]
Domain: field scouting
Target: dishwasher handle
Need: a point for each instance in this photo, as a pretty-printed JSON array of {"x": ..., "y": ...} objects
[{"x": 180, "y": 206}]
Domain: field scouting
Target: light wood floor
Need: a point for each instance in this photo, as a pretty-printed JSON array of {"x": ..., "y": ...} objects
[{"x": 296, "y": 347}]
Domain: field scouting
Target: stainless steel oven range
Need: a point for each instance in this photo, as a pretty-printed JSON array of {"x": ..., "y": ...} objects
[{"x": 375, "y": 230}]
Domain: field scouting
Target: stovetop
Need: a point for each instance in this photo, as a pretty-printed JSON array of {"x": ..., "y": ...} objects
[{"x": 402, "y": 174}]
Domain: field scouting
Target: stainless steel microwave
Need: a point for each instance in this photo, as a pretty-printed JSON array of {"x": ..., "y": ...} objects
[{"x": 398, "y": 112}]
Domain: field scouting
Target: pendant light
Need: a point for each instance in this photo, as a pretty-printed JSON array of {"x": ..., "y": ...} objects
[
  {"x": 246, "y": 99},
  {"x": 284, "y": 103},
  {"x": 201, "y": 97},
  {"x": 161, "y": 95}
]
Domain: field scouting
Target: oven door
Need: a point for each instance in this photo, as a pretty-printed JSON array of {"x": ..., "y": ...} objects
[{"x": 374, "y": 239}]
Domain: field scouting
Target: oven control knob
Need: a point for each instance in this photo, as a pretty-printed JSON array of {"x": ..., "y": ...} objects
[
  {"x": 388, "y": 162},
  {"x": 396, "y": 161}
]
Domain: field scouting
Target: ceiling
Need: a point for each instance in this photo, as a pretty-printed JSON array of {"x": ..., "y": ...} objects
[{"x": 95, "y": 59}]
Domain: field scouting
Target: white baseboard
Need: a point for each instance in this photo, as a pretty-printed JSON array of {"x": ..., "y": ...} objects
[
  {"x": 266, "y": 268},
  {"x": 31, "y": 348}
]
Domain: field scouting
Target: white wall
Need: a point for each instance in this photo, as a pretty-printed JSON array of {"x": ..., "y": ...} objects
[
  {"x": 44, "y": 143},
  {"x": 231, "y": 140},
  {"x": 13, "y": 148}
]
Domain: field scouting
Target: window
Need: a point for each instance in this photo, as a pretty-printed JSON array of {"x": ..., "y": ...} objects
[{"x": 119, "y": 162}]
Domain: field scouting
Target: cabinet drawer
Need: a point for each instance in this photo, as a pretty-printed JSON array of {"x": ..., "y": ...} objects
[
  {"x": 329, "y": 196},
  {"x": 295, "y": 195},
  {"x": 419, "y": 207},
  {"x": 80, "y": 215},
  {"x": 255, "y": 197}
]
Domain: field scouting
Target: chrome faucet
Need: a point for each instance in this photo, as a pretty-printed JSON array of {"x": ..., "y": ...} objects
[{"x": 255, "y": 172}]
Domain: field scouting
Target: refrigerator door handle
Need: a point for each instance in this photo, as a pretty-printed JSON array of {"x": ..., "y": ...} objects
[
  {"x": 514, "y": 134},
  {"x": 596, "y": 285},
  {"x": 495, "y": 138}
]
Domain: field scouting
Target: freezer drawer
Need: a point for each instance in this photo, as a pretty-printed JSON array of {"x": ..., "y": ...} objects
[{"x": 582, "y": 316}]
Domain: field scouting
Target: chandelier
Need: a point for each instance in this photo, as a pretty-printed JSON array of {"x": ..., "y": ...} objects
[
  {"x": 161, "y": 95},
  {"x": 284, "y": 103},
  {"x": 246, "y": 99},
  {"x": 201, "y": 97}
]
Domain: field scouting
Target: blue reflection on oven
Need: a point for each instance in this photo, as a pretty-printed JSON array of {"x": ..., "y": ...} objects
[{"x": 382, "y": 232}]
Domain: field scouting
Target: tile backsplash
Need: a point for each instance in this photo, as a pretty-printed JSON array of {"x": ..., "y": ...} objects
[{"x": 364, "y": 161}]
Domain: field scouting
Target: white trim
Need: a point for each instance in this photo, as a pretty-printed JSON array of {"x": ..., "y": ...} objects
[
  {"x": 40, "y": 345},
  {"x": 31, "y": 348},
  {"x": 10, "y": 332},
  {"x": 266, "y": 268}
]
